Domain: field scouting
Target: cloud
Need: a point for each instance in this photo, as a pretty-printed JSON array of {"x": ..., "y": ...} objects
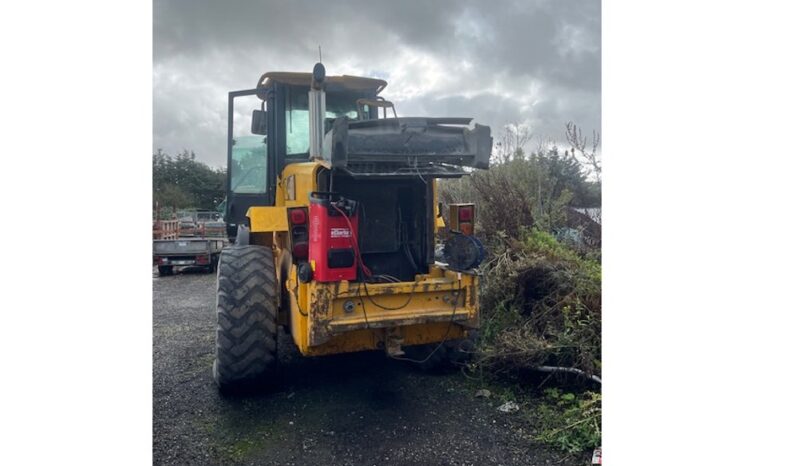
[{"x": 537, "y": 62}]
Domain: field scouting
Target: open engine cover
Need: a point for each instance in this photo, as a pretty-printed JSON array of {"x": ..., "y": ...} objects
[{"x": 398, "y": 147}]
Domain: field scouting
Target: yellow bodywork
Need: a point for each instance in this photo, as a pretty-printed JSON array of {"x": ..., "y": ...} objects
[
  {"x": 339, "y": 317},
  {"x": 268, "y": 219}
]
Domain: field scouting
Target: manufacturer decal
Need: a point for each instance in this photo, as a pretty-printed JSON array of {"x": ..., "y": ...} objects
[{"x": 339, "y": 233}]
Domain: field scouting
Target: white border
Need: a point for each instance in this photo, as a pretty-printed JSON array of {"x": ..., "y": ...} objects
[
  {"x": 699, "y": 259},
  {"x": 77, "y": 126}
]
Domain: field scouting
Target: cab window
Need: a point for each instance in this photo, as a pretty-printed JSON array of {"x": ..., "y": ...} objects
[
  {"x": 248, "y": 168},
  {"x": 297, "y": 116}
]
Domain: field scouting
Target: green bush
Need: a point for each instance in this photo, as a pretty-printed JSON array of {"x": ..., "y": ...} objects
[{"x": 570, "y": 421}]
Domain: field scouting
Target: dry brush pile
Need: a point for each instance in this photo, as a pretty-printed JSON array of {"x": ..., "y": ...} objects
[
  {"x": 540, "y": 299},
  {"x": 541, "y": 306}
]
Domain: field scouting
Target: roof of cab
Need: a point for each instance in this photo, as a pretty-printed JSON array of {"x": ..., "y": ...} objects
[{"x": 357, "y": 83}]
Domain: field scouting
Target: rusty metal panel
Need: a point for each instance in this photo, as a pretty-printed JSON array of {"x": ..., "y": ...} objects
[{"x": 357, "y": 316}]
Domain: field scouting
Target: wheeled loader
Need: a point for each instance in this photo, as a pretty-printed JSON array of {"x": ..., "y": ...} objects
[{"x": 336, "y": 232}]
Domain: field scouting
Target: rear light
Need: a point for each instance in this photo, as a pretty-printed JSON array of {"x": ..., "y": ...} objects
[
  {"x": 298, "y": 216},
  {"x": 300, "y": 250},
  {"x": 461, "y": 218},
  {"x": 298, "y": 220},
  {"x": 202, "y": 259},
  {"x": 465, "y": 213}
]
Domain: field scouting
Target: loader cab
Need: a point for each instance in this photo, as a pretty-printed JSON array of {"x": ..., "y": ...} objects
[{"x": 268, "y": 128}]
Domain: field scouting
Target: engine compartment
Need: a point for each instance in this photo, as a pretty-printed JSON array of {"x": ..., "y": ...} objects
[{"x": 395, "y": 234}]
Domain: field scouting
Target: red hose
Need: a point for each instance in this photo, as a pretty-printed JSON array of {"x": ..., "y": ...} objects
[{"x": 353, "y": 240}]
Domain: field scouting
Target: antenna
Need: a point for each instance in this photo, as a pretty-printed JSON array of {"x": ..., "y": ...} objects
[{"x": 319, "y": 53}]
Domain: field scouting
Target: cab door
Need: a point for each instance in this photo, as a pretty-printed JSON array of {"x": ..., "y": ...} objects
[{"x": 250, "y": 170}]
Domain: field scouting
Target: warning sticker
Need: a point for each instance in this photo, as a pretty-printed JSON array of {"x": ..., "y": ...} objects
[{"x": 339, "y": 232}]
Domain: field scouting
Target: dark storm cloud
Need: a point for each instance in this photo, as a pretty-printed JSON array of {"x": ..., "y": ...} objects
[
  {"x": 192, "y": 27},
  {"x": 533, "y": 62}
]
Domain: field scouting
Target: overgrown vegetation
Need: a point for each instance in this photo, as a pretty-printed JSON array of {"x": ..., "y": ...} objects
[
  {"x": 540, "y": 297},
  {"x": 182, "y": 181},
  {"x": 570, "y": 421},
  {"x": 541, "y": 305}
]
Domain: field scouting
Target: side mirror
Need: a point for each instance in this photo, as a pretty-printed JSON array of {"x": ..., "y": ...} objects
[{"x": 259, "y": 122}]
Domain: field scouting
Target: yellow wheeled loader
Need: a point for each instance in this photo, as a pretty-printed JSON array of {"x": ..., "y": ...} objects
[{"x": 336, "y": 231}]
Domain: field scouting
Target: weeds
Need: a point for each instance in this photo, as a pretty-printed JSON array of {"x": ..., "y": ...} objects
[{"x": 570, "y": 421}]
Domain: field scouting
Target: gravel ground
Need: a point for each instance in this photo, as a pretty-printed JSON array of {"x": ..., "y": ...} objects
[{"x": 353, "y": 409}]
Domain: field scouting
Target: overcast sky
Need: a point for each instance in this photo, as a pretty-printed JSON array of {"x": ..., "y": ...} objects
[{"x": 534, "y": 62}]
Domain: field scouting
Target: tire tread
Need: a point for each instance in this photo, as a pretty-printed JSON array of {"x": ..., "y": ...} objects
[{"x": 246, "y": 310}]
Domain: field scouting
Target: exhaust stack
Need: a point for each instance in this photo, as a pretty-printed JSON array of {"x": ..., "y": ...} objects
[{"x": 318, "y": 110}]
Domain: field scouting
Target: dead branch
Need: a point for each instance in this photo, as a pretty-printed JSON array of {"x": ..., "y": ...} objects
[{"x": 590, "y": 157}]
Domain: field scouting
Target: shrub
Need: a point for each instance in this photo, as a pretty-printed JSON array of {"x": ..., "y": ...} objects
[{"x": 541, "y": 305}]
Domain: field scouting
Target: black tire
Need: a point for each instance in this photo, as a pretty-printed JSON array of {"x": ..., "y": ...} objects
[
  {"x": 246, "y": 315},
  {"x": 450, "y": 355},
  {"x": 164, "y": 270}
]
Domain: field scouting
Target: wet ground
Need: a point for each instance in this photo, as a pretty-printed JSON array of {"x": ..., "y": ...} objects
[{"x": 354, "y": 409}]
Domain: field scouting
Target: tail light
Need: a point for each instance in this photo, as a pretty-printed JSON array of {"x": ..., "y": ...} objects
[
  {"x": 300, "y": 250},
  {"x": 298, "y": 217},
  {"x": 461, "y": 218},
  {"x": 298, "y": 220},
  {"x": 202, "y": 259},
  {"x": 465, "y": 213}
]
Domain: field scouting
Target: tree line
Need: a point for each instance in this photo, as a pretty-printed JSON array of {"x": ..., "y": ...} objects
[{"x": 181, "y": 181}]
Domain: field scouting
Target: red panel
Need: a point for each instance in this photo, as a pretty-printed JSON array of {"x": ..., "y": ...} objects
[{"x": 330, "y": 231}]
